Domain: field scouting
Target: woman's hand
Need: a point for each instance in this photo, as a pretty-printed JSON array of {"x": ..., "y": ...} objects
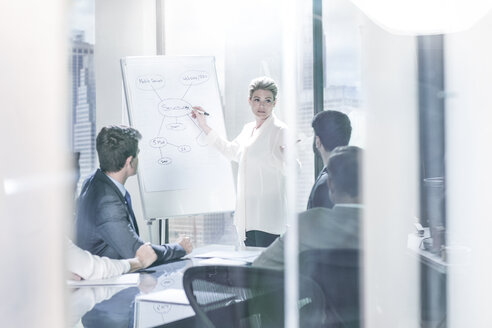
[
  {"x": 198, "y": 115},
  {"x": 74, "y": 276}
]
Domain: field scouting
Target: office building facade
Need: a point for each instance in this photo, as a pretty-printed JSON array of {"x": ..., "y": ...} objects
[{"x": 83, "y": 103}]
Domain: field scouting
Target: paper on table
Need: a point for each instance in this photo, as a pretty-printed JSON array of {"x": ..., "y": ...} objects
[
  {"x": 171, "y": 295},
  {"x": 178, "y": 296},
  {"x": 219, "y": 261},
  {"x": 126, "y": 279},
  {"x": 248, "y": 256}
]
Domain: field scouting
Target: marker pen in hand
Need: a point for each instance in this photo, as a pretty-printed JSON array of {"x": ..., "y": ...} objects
[{"x": 199, "y": 109}]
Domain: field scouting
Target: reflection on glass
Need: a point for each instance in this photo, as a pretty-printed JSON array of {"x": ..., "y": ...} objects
[
  {"x": 243, "y": 51},
  {"x": 83, "y": 300}
]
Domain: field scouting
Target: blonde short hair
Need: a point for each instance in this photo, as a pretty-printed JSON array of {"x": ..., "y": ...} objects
[{"x": 263, "y": 83}]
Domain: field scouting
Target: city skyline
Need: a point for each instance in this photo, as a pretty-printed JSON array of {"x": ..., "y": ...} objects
[
  {"x": 82, "y": 18},
  {"x": 83, "y": 103}
]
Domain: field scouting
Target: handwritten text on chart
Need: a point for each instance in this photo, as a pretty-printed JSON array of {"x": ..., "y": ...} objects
[
  {"x": 174, "y": 107},
  {"x": 150, "y": 82},
  {"x": 194, "y": 77},
  {"x": 158, "y": 142}
]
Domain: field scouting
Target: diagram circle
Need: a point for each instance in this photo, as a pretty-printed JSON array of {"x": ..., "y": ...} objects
[
  {"x": 174, "y": 107},
  {"x": 158, "y": 142},
  {"x": 176, "y": 126},
  {"x": 184, "y": 148},
  {"x": 164, "y": 161},
  {"x": 167, "y": 282},
  {"x": 162, "y": 308}
]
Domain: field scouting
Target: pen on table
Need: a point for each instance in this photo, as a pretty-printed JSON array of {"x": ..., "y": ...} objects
[{"x": 145, "y": 271}]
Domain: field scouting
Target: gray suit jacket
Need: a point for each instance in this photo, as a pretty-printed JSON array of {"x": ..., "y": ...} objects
[
  {"x": 103, "y": 225},
  {"x": 319, "y": 227}
]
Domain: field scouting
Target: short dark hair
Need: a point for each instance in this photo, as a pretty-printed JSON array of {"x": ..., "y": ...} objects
[
  {"x": 114, "y": 145},
  {"x": 333, "y": 129},
  {"x": 343, "y": 167}
]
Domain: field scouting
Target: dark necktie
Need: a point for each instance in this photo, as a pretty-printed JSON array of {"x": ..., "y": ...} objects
[{"x": 130, "y": 209}]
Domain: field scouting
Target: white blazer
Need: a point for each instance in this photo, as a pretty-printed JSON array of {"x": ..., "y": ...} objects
[
  {"x": 89, "y": 266},
  {"x": 260, "y": 202}
]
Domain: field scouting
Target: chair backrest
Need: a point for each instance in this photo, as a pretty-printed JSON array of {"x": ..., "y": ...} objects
[
  {"x": 240, "y": 296},
  {"x": 337, "y": 272}
]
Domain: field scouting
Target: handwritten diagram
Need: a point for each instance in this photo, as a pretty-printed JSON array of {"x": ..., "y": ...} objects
[
  {"x": 176, "y": 164},
  {"x": 175, "y": 112}
]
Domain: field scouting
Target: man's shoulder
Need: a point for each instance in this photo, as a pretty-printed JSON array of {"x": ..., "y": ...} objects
[
  {"x": 98, "y": 184},
  {"x": 315, "y": 213},
  {"x": 322, "y": 215},
  {"x": 329, "y": 228},
  {"x": 345, "y": 211}
]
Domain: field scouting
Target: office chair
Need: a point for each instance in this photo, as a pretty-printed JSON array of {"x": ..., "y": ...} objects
[
  {"x": 241, "y": 296},
  {"x": 337, "y": 272}
]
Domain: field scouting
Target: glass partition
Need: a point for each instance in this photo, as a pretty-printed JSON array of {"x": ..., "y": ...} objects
[
  {"x": 410, "y": 247},
  {"x": 243, "y": 49},
  {"x": 83, "y": 89}
]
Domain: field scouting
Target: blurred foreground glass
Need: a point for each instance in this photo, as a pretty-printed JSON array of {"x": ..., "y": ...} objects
[{"x": 421, "y": 17}]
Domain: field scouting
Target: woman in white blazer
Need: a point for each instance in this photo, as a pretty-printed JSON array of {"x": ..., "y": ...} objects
[
  {"x": 258, "y": 149},
  {"x": 84, "y": 265}
]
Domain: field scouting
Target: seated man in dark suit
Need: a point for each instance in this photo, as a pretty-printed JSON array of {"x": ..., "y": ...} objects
[
  {"x": 105, "y": 223},
  {"x": 323, "y": 228},
  {"x": 331, "y": 129}
]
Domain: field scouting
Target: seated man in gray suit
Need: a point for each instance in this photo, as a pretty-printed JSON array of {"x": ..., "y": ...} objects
[
  {"x": 331, "y": 129},
  {"x": 105, "y": 223},
  {"x": 322, "y": 227}
]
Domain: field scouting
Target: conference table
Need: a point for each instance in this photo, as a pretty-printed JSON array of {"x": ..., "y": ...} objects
[{"x": 128, "y": 306}]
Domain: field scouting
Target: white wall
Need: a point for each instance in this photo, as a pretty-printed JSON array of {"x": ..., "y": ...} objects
[
  {"x": 469, "y": 174},
  {"x": 123, "y": 28},
  {"x": 35, "y": 187},
  {"x": 390, "y": 178}
]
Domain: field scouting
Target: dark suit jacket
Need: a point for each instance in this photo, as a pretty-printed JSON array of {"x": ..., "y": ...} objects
[
  {"x": 103, "y": 225},
  {"x": 319, "y": 228},
  {"x": 319, "y": 196}
]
